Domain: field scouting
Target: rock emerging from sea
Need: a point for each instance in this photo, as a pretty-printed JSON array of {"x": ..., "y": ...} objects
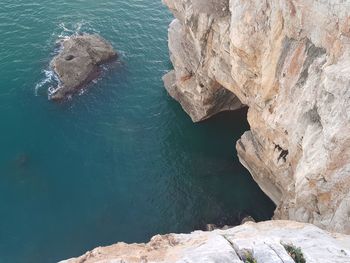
[{"x": 79, "y": 62}]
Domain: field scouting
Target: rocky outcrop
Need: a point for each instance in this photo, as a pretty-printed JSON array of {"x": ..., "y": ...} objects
[
  {"x": 199, "y": 51},
  {"x": 79, "y": 62},
  {"x": 289, "y": 62},
  {"x": 266, "y": 242}
]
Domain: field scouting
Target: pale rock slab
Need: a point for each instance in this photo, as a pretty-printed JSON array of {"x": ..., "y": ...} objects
[{"x": 263, "y": 241}]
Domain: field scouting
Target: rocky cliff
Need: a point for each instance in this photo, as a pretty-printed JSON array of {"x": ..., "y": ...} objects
[
  {"x": 289, "y": 62},
  {"x": 266, "y": 242}
]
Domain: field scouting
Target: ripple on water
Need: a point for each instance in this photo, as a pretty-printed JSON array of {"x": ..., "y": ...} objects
[{"x": 121, "y": 162}]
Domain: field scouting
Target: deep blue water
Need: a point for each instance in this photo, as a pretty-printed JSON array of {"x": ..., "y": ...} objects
[{"x": 121, "y": 162}]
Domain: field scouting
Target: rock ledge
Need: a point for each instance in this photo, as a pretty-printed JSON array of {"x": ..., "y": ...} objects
[{"x": 264, "y": 242}]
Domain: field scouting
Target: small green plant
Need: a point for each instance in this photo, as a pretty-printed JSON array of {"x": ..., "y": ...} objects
[
  {"x": 295, "y": 253},
  {"x": 249, "y": 258}
]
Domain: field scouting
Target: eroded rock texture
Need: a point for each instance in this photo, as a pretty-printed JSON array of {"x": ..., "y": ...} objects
[
  {"x": 79, "y": 62},
  {"x": 289, "y": 61},
  {"x": 264, "y": 242},
  {"x": 199, "y": 49}
]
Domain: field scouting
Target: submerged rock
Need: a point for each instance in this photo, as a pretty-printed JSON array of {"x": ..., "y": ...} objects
[
  {"x": 79, "y": 62},
  {"x": 22, "y": 160}
]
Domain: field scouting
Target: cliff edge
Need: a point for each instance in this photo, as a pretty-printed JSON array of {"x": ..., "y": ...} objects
[
  {"x": 265, "y": 242},
  {"x": 289, "y": 62}
]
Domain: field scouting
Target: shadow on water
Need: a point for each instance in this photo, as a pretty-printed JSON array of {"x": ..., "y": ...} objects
[
  {"x": 229, "y": 193},
  {"x": 122, "y": 162}
]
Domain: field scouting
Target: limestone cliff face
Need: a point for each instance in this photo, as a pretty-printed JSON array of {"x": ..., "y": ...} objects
[
  {"x": 289, "y": 62},
  {"x": 199, "y": 48},
  {"x": 264, "y": 242}
]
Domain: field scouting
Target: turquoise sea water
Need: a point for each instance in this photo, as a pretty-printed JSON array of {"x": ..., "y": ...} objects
[{"x": 121, "y": 162}]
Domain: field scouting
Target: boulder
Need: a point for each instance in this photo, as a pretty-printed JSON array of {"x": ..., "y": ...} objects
[{"x": 79, "y": 62}]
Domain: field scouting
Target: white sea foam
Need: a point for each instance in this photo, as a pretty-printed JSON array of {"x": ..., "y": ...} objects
[
  {"x": 52, "y": 90},
  {"x": 67, "y": 31},
  {"x": 49, "y": 79},
  {"x": 81, "y": 92}
]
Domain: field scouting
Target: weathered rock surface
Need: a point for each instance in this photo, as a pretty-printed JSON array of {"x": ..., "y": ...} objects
[
  {"x": 78, "y": 62},
  {"x": 199, "y": 52},
  {"x": 289, "y": 62},
  {"x": 263, "y": 241}
]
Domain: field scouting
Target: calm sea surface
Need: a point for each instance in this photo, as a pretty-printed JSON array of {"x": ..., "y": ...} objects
[{"x": 120, "y": 162}]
